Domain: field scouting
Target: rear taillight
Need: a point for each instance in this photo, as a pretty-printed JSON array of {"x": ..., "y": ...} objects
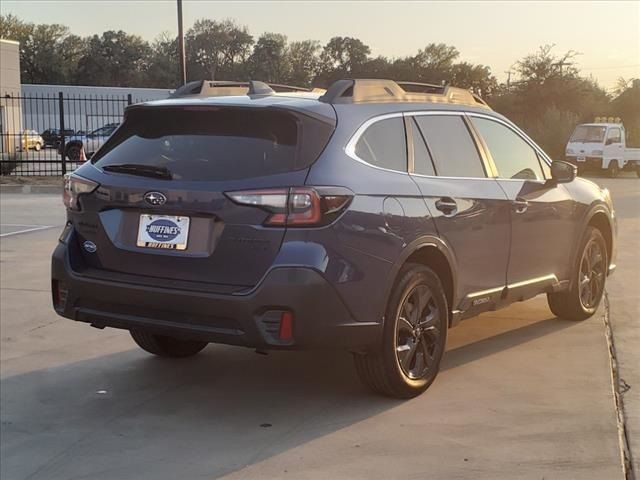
[
  {"x": 298, "y": 206},
  {"x": 74, "y": 186}
]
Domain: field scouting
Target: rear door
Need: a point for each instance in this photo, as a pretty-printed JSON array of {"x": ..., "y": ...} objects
[
  {"x": 542, "y": 225},
  {"x": 161, "y": 210},
  {"x": 469, "y": 208}
]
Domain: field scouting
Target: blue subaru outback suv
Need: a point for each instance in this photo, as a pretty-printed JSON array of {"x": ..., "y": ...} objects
[{"x": 371, "y": 217}]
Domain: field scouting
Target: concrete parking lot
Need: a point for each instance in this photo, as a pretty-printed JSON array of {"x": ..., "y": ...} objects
[{"x": 522, "y": 394}]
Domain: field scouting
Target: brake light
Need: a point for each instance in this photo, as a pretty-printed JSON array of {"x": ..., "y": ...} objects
[
  {"x": 74, "y": 186},
  {"x": 298, "y": 206}
]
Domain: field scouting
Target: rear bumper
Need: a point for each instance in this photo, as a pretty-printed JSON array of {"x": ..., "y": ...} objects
[{"x": 321, "y": 319}]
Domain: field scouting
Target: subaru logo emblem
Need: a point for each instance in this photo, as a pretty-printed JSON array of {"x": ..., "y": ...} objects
[
  {"x": 89, "y": 246},
  {"x": 155, "y": 198}
]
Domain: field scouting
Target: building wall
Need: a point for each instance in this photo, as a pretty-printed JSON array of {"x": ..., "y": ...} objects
[{"x": 10, "y": 111}]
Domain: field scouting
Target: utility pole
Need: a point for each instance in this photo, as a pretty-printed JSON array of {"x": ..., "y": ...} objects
[
  {"x": 509, "y": 72},
  {"x": 181, "y": 54},
  {"x": 561, "y": 64}
]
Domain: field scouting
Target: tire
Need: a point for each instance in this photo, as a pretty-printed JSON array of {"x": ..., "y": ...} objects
[
  {"x": 573, "y": 304},
  {"x": 383, "y": 371},
  {"x": 73, "y": 153},
  {"x": 166, "y": 346},
  {"x": 37, "y": 147},
  {"x": 614, "y": 169}
]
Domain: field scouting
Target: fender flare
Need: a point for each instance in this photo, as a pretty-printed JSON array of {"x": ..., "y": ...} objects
[
  {"x": 422, "y": 242},
  {"x": 591, "y": 212}
]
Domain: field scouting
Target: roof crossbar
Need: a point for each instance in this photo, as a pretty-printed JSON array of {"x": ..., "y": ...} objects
[
  {"x": 221, "y": 88},
  {"x": 385, "y": 91}
]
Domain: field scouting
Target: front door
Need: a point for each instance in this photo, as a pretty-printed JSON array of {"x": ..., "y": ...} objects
[{"x": 542, "y": 230}]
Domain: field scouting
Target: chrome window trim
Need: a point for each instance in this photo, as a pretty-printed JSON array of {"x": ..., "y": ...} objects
[{"x": 350, "y": 148}]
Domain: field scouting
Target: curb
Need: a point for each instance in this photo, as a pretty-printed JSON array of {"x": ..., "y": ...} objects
[{"x": 31, "y": 189}]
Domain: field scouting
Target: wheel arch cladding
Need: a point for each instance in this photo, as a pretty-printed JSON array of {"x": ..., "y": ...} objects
[
  {"x": 430, "y": 256},
  {"x": 600, "y": 221}
]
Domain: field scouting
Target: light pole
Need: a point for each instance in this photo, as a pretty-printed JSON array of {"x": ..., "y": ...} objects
[{"x": 183, "y": 66}]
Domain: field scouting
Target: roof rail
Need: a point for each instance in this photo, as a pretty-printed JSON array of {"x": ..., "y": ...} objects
[
  {"x": 384, "y": 91},
  {"x": 222, "y": 88}
]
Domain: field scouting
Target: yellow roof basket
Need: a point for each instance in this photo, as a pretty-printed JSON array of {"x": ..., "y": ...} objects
[{"x": 608, "y": 120}]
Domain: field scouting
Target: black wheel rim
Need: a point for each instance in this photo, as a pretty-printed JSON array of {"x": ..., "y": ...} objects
[
  {"x": 592, "y": 274},
  {"x": 418, "y": 333}
]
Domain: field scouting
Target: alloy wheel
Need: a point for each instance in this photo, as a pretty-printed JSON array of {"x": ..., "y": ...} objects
[
  {"x": 417, "y": 332},
  {"x": 592, "y": 273}
]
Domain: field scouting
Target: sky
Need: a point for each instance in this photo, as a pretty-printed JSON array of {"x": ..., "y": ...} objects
[{"x": 497, "y": 34}]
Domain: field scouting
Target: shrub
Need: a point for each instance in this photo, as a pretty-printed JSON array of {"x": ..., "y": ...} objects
[{"x": 8, "y": 163}]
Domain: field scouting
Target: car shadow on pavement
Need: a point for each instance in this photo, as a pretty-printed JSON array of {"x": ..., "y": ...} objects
[{"x": 129, "y": 415}]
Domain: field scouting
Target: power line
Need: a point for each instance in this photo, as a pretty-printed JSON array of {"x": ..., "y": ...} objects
[{"x": 610, "y": 68}]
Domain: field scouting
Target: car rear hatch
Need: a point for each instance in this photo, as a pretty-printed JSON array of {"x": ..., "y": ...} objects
[{"x": 162, "y": 210}]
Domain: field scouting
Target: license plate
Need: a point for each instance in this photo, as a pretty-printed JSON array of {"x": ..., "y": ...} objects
[
  {"x": 163, "y": 231},
  {"x": 581, "y": 159}
]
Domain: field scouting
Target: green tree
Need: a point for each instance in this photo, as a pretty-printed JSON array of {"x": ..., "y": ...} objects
[
  {"x": 270, "y": 61},
  {"x": 304, "y": 60},
  {"x": 627, "y": 106},
  {"x": 341, "y": 57},
  {"x": 550, "y": 98},
  {"x": 217, "y": 50},
  {"x": 48, "y": 53},
  {"x": 114, "y": 59},
  {"x": 163, "y": 62},
  {"x": 477, "y": 78}
]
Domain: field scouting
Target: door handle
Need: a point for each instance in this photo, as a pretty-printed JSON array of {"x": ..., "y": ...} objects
[
  {"x": 447, "y": 205},
  {"x": 520, "y": 205}
]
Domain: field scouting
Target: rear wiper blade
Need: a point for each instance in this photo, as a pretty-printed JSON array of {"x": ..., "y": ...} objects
[{"x": 140, "y": 169}]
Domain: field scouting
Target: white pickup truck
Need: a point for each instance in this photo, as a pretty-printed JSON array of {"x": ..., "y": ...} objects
[{"x": 602, "y": 146}]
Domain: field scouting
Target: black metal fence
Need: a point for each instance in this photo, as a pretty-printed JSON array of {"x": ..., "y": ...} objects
[{"x": 44, "y": 134}]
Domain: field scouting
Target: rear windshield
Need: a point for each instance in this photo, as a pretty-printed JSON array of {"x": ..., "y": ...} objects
[
  {"x": 588, "y": 134},
  {"x": 216, "y": 144}
]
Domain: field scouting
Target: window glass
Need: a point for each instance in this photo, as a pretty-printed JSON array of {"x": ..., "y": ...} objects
[
  {"x": 614, "y": 136},
  {"x": 200, "y": 144},
  {"x": 421, "y": 156},
  {"x": 454, "y": 151},
  {"x": 588, "y": 134},
  {"x": 384, "y": 145},
  {"x": 513, "y": 157}
]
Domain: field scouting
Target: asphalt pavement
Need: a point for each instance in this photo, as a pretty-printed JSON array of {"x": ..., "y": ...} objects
[{"x": 521, "y": 394}]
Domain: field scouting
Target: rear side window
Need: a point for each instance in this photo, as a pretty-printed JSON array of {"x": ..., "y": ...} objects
[
  {"x": 423, "y": 164},
  {"x": 454, "y": 151},
  {"x": 513, "y": 157},
  {"x": 384, "y": 144},
  {"x": 216, "y": 144}
]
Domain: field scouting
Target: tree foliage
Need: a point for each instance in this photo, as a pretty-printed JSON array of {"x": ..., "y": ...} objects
[{"x": 547, "y": 98}]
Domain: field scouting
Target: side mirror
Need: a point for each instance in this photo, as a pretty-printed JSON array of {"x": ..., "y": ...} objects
[
  {"x": 609, "y": 141},
  {"x": 563, "y": 172}
]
